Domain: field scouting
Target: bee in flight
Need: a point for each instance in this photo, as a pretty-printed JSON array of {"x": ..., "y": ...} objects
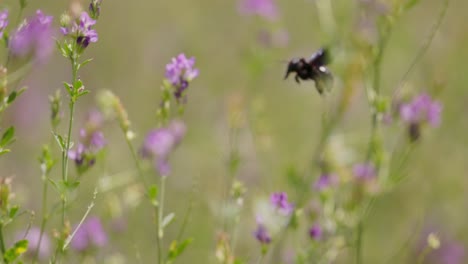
[{"x": 313, "y": 69}]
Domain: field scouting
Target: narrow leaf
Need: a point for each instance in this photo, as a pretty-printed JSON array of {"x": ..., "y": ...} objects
[
  {"x": 7, "y": 137},
  {"x": 167, "y": 220}
]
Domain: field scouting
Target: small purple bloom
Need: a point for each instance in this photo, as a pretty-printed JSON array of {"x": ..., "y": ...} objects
[
  {"x": 261, "y": 233},
  {"x": 82, "y": 30},
  {"x": 90, "y": 234},
  {"x": 364, "y": 171},
  {"x": 264, "y": 8},
  {"x": 3, "y": 21},
  {"x": 35, "y": 37},
  {"x": 280, "y": 201},
  {"x": 161, "y": 142},
  {"x": 315, "y": 232},
  {"x": 180, "y": 72},
  {"x": 421, "y": 109},
  {"x": 325, "y": 181},
  {"x": 91, "y": 142},
  {"x": 33, "y": 237}
]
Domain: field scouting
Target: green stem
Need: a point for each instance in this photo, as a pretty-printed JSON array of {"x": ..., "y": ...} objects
[
  {"x": 45, "y": 217},
  {"x": 136, "y": 160},
  {"x": 424, "y": 47},
  {"x": 2, "y": 242},
  {"x": 160, "y": 219},
  {"x": 359, "y": 243}
]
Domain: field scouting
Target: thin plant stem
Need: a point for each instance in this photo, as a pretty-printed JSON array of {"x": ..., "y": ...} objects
[
  {"x": 2, "y": 241},
  {"x": 45, "y": 216},
  {"x": 425, "y": 46},
  {"x": 160, "y": 218},
  {"x": 359, "y": 243},
  {"x": 136, "y": 161}
]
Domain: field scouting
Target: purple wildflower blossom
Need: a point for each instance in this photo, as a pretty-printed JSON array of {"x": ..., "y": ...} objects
[
  {"x": 90, "y": 234},
  {"x": 33, "y": 236},
  {"x": 325, "y": 181},
  {"x": 261, "y": 233},
  {"x": 180, "y": 72},
  {"x": 280, "y": 202},
  {"x": 3, "y": 21},
  {"x": 264, "y": 8},
  {"x": 82, "y": 30},
  {"x": 315, "y": 232},
  {"x": 35, "y": 37},
  {"x": 364, "y": 171},
  {"x": 91, "y": 142},
  {"x": 161, "y": 142},
  {"x": 421, "y": 109}
]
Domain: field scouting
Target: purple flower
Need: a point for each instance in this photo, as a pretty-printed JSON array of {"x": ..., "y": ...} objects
[
  {"x": 161, "y": 142},
  {"x": 421, "y": 109},
  {"x": 33, "y": 236},
  {"x": 325, "y": 181},
  {"x": 280, "y": 201},
  {"x": 364, "y": 171},
  {"x": 264, "y": 8},
  {"x": 90, "y": 234},
  {"x": 261, "y": 233},
  {"x": 315, "y": 232},
  {"x": 35, "y": 36},
  {"x": 180, "y": 72},
  {"x": 82, "y": 30},
  {"x": 3, "y": 21},
  {"x": 91, "y": 142}
]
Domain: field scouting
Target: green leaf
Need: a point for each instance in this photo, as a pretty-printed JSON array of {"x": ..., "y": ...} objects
[
  {"x": 13, "y": 211},
  {"x": 60, "y": 141},
  {"x": 84, "y": 93},
  {"x": 17, "y": 250},
  {"x": 8, "y": 137},
  {"x": 68, "y": 87},
  {"x": 71, "y": 185},
  {"x": 11, "y": 97},
  {"x": 153, "y": 194},
  {"x": 77, "y": 85},
  {"x": 86, "y": 62},
  {"x": 177, "y": 249},
  {"x": 4, "y": 151},
  {"x": 167, "y": 220},
  {"x": 410, "y": 4}
]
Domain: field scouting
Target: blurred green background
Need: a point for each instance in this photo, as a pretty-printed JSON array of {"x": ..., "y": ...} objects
[{"x": 282, "y": 119}]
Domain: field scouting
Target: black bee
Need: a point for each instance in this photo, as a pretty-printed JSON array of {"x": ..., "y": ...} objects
[{"x": 312, "y": 69}]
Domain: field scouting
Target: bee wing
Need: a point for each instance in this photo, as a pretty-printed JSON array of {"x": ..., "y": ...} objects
[
  {"x": 320, "y": 57},
  {"x": 323, "y": 79}
]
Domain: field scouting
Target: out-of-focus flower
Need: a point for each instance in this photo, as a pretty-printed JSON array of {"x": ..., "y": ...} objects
[
  {"x": 90, "y": 234},
  {"x": 81, "y": 30},
  {"x": 325, "y": 181},
  {"x": 443, "y": 248},
  {"x": 315, "y": 232},
  {"x": 3, "y": 21},
  {"x": 420, "y": 110},
  {"x": 264, "y": 8},
  {"x": 261, "y": 233},
  {"x": 34, "y": 36},
  {"x": 280, "y": 201},
  {"x": 95, "y": 8},
  {"x": 33, "y": 237},
  {"x": 364, "y": 171},
  {"x": 159, "y": 143},
  {"x": 180, "y": 72},
  {"x": 91, "y": 142}
]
